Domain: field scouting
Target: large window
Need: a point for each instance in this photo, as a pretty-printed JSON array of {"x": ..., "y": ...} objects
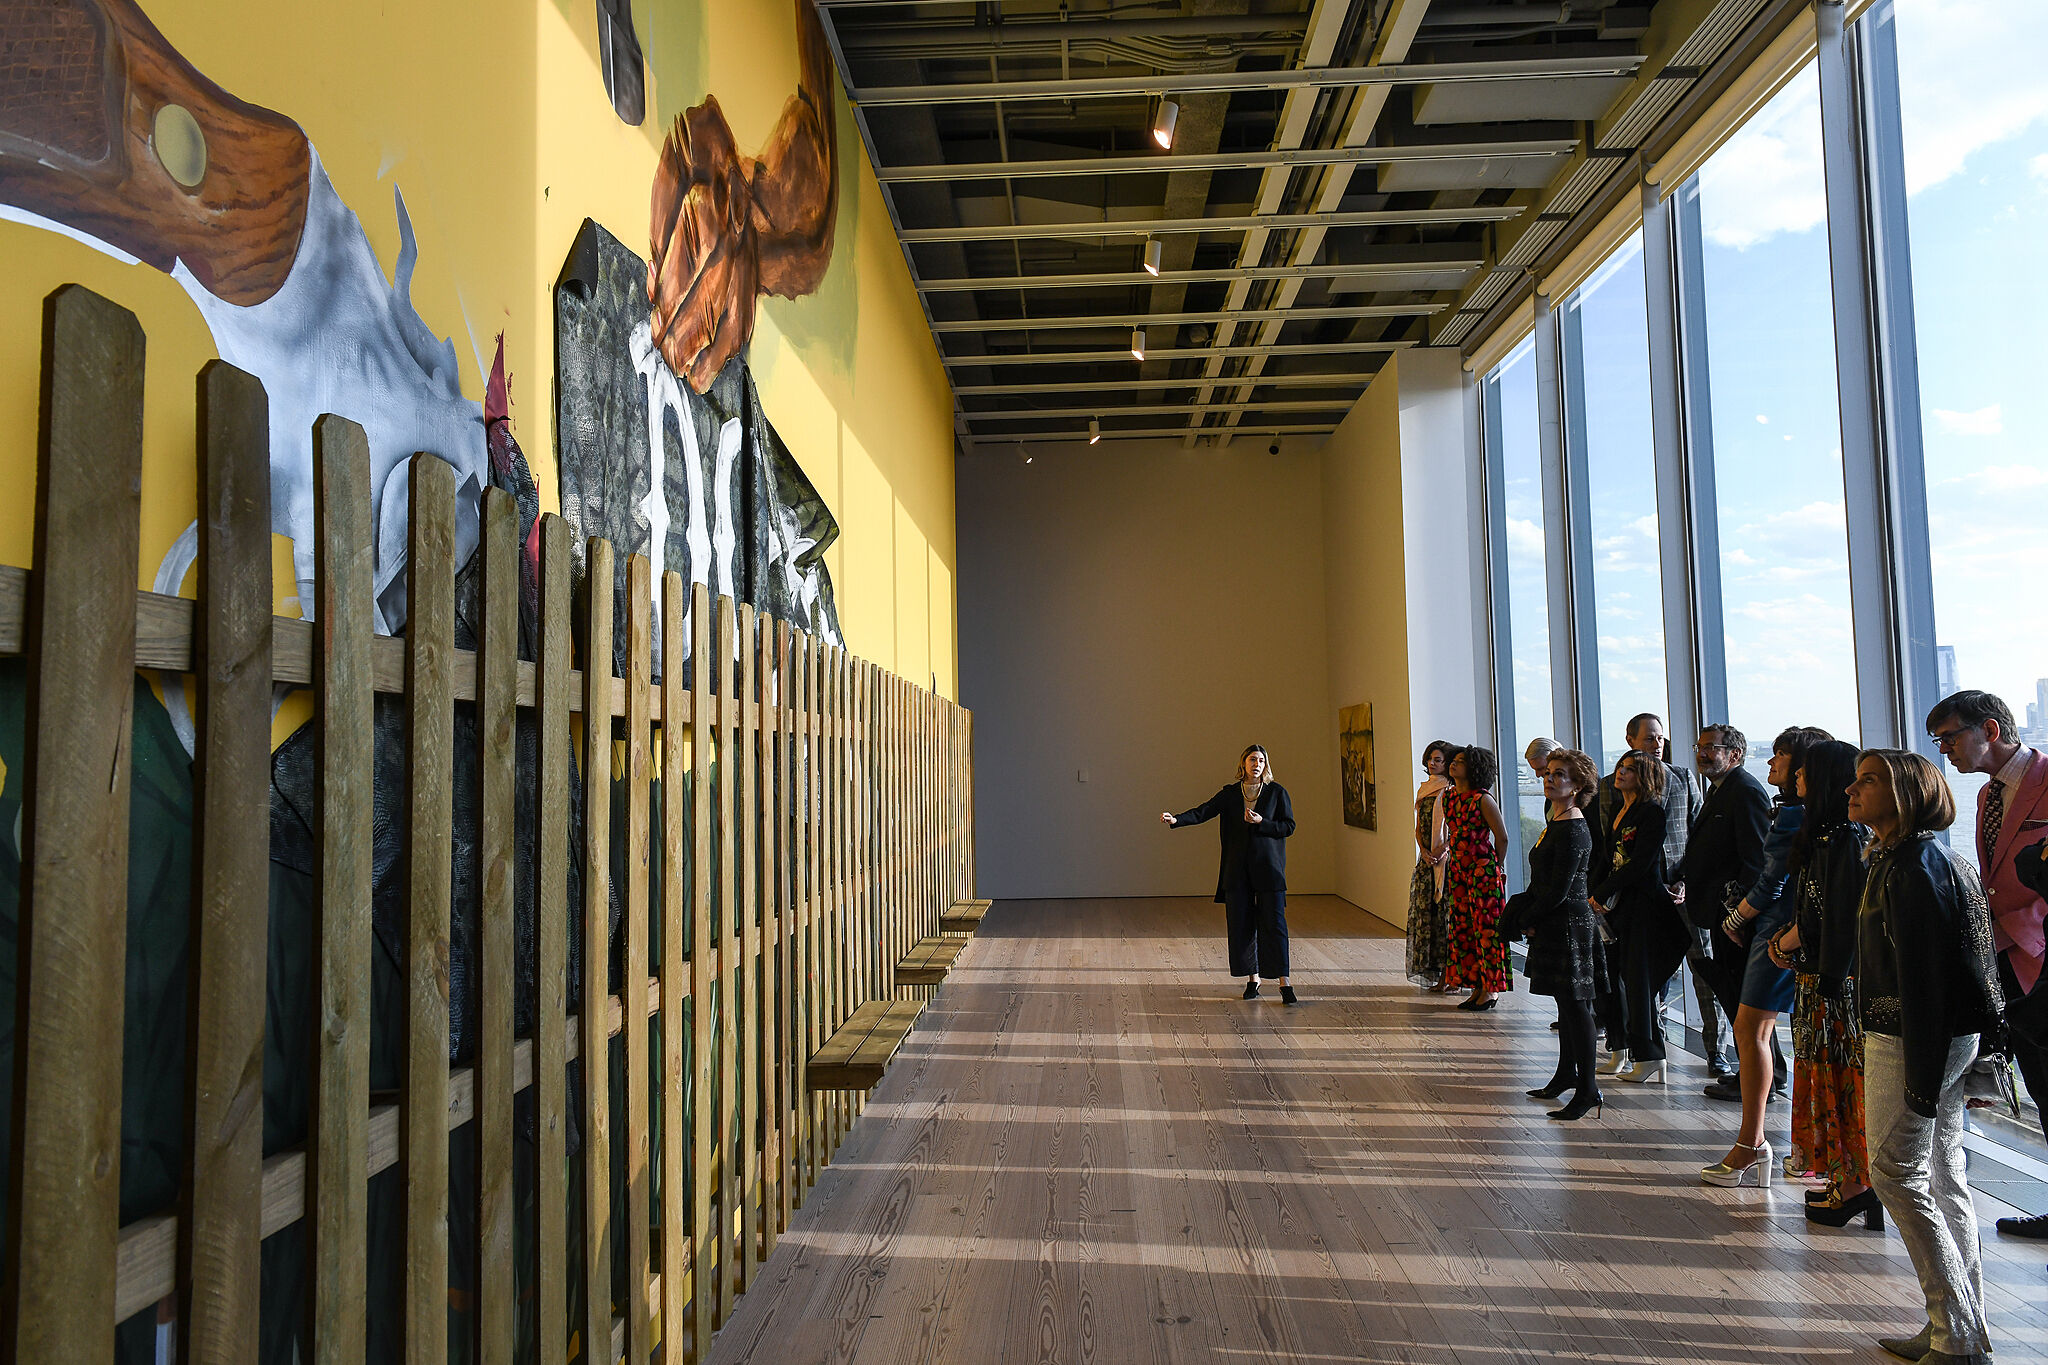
[
  {"x": 1974, "y": 110},
  {"x": 1511, "y": 420},
  {"x": 1607, "y": 429},
  {"x": 1769, "y": 327}
]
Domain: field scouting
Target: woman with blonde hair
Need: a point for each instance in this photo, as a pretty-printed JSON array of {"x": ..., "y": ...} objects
[
  {"x": 1251, "y": 884},
  {"x": 1427, "y": 909},
  {"x": 1928, "y": 994},
  {"x": 1566, "y": 960}
]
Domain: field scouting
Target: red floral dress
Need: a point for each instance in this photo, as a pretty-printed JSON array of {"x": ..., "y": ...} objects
[{"x": 1475, "y": 955}]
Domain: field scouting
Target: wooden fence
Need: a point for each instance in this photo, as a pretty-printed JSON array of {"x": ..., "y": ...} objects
[{"x": 836, "y": 796}]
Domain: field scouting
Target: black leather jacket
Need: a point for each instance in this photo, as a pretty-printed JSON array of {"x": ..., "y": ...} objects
[
  {"x": 1925, "y": 972},
  {"x": 1826, "y": 895}
]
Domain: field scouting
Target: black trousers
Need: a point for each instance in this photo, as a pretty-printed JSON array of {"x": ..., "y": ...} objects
[
  {"x": 1258, "y": 931},
  {"x": 1725, "y": 970},
  {"x": 1650, "y": 943},
  {"x": 2031, "y": 1058}
]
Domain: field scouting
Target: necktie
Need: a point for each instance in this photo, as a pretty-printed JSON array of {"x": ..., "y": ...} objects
[{"x": 1994, "y": 816}]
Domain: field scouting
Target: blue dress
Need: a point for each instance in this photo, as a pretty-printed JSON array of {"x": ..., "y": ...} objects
[{"x": 1765, "y": 985}]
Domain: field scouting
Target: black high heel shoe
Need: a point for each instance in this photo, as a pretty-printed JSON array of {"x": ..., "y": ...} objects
[
  {"x": 1588, "y": 1099},
  {"x": 1476, "y": 1006},
  {"x": 1287, "y": 995},
  {"x": 1838, "y": 1215},
  {"x": 1558, "y": 1085},
  {"x": 1251, "y": 989}
]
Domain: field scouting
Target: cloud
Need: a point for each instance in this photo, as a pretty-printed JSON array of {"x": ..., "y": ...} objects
[
  {"x": 1998, "y": 480},
  {"x": 2038, "y": 167},
  {"x": 1762, "y": 418},
  {"x": 1985, "y": 421},
  {"x": 1524, "y": 538},
  {"x": 1768, "y": 178},
  {"x": 1970, "y": 76}
]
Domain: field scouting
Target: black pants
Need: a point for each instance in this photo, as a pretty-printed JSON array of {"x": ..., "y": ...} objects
[
  {"x": 1699, "y": 956},
  {"x": 1258, "y": 931},
  {"x": 1651, "y": 942},
  {"x": 2031, "y": 1058},
  {"x": 1725, "y": 970}
]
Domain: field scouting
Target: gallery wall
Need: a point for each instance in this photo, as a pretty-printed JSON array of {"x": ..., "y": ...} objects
[
  {"x": 1139, "y": 612},
  {"x": 494, "y": 125}
]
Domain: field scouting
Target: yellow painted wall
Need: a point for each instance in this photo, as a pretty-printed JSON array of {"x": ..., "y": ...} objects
[{"x": 492, "y": 119}]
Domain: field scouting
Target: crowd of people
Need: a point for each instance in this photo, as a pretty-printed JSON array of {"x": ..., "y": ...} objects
[{"x": 1829, "y": 891}]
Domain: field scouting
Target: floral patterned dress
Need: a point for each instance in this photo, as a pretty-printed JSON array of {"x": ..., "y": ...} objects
[
  {"x": 1428, "y": 906},
  {"x": 1475, "y": 955}
]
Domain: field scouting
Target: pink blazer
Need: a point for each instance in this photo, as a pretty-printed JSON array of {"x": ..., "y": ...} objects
[{"x": 2016, "y": 912}]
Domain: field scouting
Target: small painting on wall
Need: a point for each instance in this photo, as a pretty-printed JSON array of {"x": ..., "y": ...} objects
[{"x": 1354, "y": 748}]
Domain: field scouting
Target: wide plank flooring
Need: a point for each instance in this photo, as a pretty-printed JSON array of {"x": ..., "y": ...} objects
[{"x": 1092, "y": 1149}]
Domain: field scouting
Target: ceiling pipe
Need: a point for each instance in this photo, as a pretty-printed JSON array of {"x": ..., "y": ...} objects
[{"x": 941, "y": 37}]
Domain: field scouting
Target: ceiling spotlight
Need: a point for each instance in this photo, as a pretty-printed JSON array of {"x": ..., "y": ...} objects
[
  {"x": 1163, "y": 119},
  {"x": 1152, "y": 254},
  {"x": 1137, "y": 343},
  {"x": 1094, "y": 431}
]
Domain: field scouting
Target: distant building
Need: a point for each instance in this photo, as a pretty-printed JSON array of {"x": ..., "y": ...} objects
[{"x": 1945, "y": 671}]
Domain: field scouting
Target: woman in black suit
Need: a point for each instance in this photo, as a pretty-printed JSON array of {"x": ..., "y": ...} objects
[
  {"x": 1565, "y": 958},
  {"x": 1628, "y": 880},
  {"x": 1252, "y": 883}
]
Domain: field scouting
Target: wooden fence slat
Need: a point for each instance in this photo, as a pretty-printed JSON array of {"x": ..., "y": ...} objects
[
  {"x": 552, "y": 695},
  {"x": 702, "y": 1108},
  {"x": 728, "y": 963},
  {"x": 747, "y": 999},
  {"x": 63, "y": 1222},
  {"x": 428, "y": 845},
  {"x": 595, "y": 1067},
  {"x": 675, "y": 975},
  {"x": 221, "y": 1197},
  {"x": 810, "y": 979},
  {"x": 497, "y": 940},
  {"x": 774, "y": 1042},
  {"x": 639, "y": 1211},
  {"x": 338, "y": 1152}
]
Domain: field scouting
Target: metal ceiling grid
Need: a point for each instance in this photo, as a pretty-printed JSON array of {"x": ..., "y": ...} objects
[{"x": 1341, "y": 178}]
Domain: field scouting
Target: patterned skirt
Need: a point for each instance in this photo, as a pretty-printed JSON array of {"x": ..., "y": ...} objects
[
  {"x": 1428, "y": 915},
  {"x": 1475, "y": 955},
  {"x": 1827, "y": 1085}
]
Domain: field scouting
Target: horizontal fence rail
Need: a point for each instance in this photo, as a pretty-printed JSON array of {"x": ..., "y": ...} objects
[{"x": 759, "y": 826}]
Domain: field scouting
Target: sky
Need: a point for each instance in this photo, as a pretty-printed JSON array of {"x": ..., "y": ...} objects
[{"x": 1975, "y": 116}]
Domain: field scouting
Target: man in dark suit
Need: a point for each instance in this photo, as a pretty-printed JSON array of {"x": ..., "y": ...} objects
[{"x": 1723, "y": 857}]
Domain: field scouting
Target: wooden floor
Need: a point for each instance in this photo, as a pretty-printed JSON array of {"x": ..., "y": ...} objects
[{"x": 1092, "y": 1149}]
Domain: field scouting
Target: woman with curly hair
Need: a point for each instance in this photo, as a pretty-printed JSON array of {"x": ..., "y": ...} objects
[
  {"x": 1475, "y": 955},
  {"x": 1426, "y": 906}
]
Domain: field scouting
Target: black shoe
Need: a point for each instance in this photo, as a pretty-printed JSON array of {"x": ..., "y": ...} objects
[
  {"x": 1838, "y": 1215},
  {"x": 1553, "y": 1026},
  {"x": 1727, "y": 1088},
  {"x": 1587, "y": 1099},
  {"x": 2035, "y": 1227},
  {"x": 1558, "y": 1085},
  {"x": 1777, "y": 1093},
  {"x": 1251, "y": 990},
  {"x": 1287, "y": 995},
  {"x": 1478, "y": 1006}
]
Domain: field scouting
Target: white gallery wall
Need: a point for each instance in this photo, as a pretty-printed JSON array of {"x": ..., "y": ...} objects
[{"x": 1137, "y": 613}]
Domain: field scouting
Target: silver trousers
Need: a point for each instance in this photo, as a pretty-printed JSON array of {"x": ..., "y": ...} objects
[{"x": 1916, "y": 1167}]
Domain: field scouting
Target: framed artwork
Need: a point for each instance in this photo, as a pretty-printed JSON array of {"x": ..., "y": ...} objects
[{"x": 1354, "y": 749}]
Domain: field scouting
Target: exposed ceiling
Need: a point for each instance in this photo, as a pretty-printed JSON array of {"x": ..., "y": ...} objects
[{"x": 1345, "y": 178}]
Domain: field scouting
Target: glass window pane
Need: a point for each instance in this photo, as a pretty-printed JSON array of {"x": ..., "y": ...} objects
[
  {"x": 1514, "y": 439},
  {"x": 1974, "y": 109},
  {"x": 1776, "y": 426},
  {"x": 1607, "y": 374}
]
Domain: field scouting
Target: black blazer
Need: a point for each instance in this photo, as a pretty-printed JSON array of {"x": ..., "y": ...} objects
[
  {"x": 1251, "y": 853},
  {"x": 1726, "y": 848},
  {"x": 1628, "y": 862}
]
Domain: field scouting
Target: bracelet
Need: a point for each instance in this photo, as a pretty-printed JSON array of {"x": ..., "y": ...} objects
[{"x": 1733, "y": 925}]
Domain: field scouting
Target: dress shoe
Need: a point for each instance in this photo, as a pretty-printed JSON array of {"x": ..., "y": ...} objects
[
  {"x": 1909, "y": 1348},
  {"x": 1616, "y": 1063},
  {"x": 1837, "y": 1213},
  {"x": 1643, "y": 1073},
  {"x": 1757, "y": 1172},
  {"x": 1558, "y": 1085},
  {"x": 1251, "y": 989},
  {"x": 1479, "y": 1006},
  {"x": 1287, "y": 995},
  {"x": 1728, "y": 1087},
  {"x": 1586, "y": 1100},
  {"x": 2035, "y": 1227}
]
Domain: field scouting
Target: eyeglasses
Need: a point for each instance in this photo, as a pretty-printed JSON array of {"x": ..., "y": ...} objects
[
  {"x": 1707, "y": 745},
  {"x": 1948, "y": 737}
]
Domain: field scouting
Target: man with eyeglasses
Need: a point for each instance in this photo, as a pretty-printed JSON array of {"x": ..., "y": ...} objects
[
  {"x": 1975, "y": 731},
  {"x": 1723, "y": 858}
]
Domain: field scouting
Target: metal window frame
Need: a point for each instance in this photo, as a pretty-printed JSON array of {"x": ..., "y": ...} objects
[{"x": 1576, "y": 484}]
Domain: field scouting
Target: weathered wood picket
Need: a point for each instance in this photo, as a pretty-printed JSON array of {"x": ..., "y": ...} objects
[{"x": 826, "y": 827}]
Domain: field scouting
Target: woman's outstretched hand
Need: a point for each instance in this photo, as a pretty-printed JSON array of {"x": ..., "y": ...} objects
[{"x": 1166, "y": 818}]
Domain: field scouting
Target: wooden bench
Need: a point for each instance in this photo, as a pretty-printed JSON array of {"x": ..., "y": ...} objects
[
  {"x": 964, "y": 917},
  {"x": 928, "y": 963},
  {"x": 855, "y": 1056}
]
